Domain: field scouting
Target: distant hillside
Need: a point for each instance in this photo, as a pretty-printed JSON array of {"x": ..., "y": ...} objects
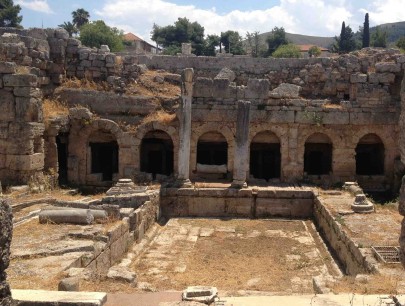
[
  {"x": 395, "y": 31},
  {"x": 319, "y": 41}
]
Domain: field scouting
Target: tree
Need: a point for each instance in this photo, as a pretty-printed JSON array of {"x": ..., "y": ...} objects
[
  {"x": 97, "y": 33},
  {"x": 256, "y": 47},
  {"x": 379, "y": 38},
  {"x": 232, "y": 42},
  {"x": 183, "y": 31},
  {"x": 9, "y": 14},
  {"x": 314, "y": 51},
  {"x": 69, "y": 27},
  {"x": 275, "y": 39},
  {"x": 211, "y": 42},
  {"x": 346, "y": 42},
  {"x": 401, "y": 43},
  {"x": 366, "y": 33},
  {"x": 287, "y": 51},
  {"x": 80, "y": 17}
]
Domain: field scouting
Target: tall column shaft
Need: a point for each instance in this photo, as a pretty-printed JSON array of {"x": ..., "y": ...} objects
[
  {"x": 185, "y": 126},
  {"x": 241, "y": 167}
]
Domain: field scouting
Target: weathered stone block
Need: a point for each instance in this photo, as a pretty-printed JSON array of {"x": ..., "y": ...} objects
[
  {"x": 25, "y": 162},
  {"x": 103, "y": 261},
  {"x": 221, "y": 88},
  {"x": 15, "y": 80},
  {"x": 226, "y": 73},
  {"x": 285, "y": 91},
  {"x": 28, "y": 109},
  {"x": 387, "y": 67},
  {"x": 358, "y": 78},
  {"x": 8, "y": 67},
  {"x": 203, "y": 87},
  {"x": 257, "y": 89},
  {"x": 7, "y": 112},
  {"x": 27, "y": 92},
  {"x": 6, "y": 222}
]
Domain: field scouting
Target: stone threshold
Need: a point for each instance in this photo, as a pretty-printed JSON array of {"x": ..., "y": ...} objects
[{"x": 54, "y": 298}]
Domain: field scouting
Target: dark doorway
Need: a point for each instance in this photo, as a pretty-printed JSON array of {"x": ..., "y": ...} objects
[
  {"x": 212, "y": 149},
  {"x": 62, "y": 147},
  {"x": 265, "y": 156},
  {"x": 157, "y": 153},
  {"x": 370, "y": 156},
  {"x": 318, "y": 155},
  {"x": 104, "y": 159}
]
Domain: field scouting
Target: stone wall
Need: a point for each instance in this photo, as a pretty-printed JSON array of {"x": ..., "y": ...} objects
[
  {"x": 21, "y": 125},
  {"x": 355, "y": 260},
  {"x": 6, "y": 227},
  {"x": 243, "y": 203},
  {"x": 402, "y": 191}
]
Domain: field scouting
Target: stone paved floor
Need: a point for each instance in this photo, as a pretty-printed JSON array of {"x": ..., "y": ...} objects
[{"x": 269, "y": 255}]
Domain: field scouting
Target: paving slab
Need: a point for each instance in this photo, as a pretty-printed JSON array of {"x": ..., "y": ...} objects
[
  {"x": 313, "y": 300},
  {"x": 45, "y": 298}
]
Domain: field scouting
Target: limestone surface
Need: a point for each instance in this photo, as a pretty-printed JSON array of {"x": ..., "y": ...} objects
[{"x": 6, "y": 227}]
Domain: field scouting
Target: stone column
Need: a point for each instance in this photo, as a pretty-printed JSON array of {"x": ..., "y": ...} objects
[
  {"x": 185, "y": 127},
  {"x": 6, "y": 227},
  {"x": 241, "y": 152}
]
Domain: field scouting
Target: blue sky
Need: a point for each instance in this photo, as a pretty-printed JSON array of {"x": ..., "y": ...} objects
[{"x": 310, "y": 17}]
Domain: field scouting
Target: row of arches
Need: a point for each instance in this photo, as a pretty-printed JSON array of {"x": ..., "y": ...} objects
[
  {"x": 268, "y": 154},
  {"x": 265, "y": 154}
]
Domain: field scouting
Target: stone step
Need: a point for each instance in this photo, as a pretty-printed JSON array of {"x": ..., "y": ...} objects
[{"x": 52, "y": 298}]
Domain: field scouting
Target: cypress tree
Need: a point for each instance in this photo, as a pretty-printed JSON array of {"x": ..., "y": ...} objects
[
  {"x": 342, "y": 41},
  {"x": 366, "y": 32}
]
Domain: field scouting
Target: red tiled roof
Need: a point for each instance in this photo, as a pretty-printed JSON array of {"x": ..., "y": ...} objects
[
  {"x": 305, "y": 48},
  {"x": 131, "y": 37}
]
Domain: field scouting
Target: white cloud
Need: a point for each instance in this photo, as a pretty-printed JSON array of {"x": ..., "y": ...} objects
[
  {"x": 36, "y": 5},
  {"x": 315, "y": 17},
  {"x": 385, "y": 11}
]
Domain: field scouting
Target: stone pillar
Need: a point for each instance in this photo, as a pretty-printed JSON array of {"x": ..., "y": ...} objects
[
  {"x": 241, "y": 152},
  {"x": 185, "y": 127},
  {"x": 6, "y": 227},
  {"x": 186, "y": 49}
]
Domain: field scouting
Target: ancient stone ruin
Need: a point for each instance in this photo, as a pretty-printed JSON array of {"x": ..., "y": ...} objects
[
  {"x": 5, "y": 241},
  {"x": 236, "y": 120}
]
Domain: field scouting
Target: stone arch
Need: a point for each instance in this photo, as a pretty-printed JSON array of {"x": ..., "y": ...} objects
[
  {"x": 318, "y": 150},
  {"x": 265, "y": 156},
  {"x": 104, "y": 141},
  {"x": 370, "y": 155},
  {"x": 198, "y": 131},
  {"x": 156, "y": 153},
  {"x": 212, "y": 153},
  {"x": 104, "y": 138},
  {"x": 151, "y": 127}
]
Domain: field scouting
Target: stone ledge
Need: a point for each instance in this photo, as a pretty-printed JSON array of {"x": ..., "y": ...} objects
[{"x": 53, "y": 298}]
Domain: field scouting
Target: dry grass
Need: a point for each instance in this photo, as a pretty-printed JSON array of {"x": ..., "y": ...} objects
[
  {"x": 85, "y": 84},
  {"x": 53, "y": 108},
  {"x": 159, "y": 116},
  {"x": 332, "y": 106},
  {"x": 145, "y": 85},
  {"x": 23, "y": 70}
]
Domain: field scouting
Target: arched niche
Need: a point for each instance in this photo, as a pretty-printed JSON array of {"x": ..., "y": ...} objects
[
  {"x": 370, "y": 155},
  {"x": 104, "y": 152},
  {"x": 318, "y": 154},
  {"x": 156, "y": 154},
  {"x": 265, "y": 156}
]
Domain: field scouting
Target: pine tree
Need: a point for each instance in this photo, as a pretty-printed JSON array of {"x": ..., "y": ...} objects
[
  {"x": 9, "y": 14},
  {"x": 366, "y": 32}
]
